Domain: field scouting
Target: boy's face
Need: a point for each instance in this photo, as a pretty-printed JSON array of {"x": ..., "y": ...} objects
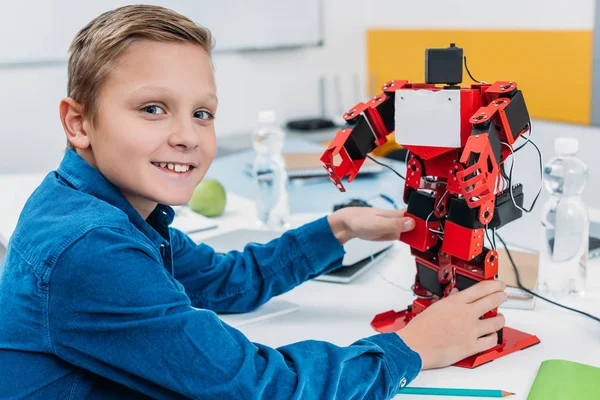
[{"x": 154, "y": 136}]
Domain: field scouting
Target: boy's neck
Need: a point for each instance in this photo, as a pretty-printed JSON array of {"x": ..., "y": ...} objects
[{"x": 142, "y": 205}]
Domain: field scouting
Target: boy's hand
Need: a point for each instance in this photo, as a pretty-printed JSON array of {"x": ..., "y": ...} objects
[
  {"x": 368, "y": 223},
  {"x": 450, "y": 329}
]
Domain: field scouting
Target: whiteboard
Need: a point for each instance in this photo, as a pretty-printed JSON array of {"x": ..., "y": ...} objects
[{"x": 41, "y": 30}]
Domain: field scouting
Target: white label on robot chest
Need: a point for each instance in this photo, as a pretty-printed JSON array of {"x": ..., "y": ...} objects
[{"x": 428, "y": 118}]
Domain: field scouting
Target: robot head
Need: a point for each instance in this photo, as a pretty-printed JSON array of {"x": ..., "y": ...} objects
[{"x": 444, "y": 65}]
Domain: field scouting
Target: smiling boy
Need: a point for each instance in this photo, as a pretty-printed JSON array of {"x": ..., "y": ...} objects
[{"x": 99, "y": 298}]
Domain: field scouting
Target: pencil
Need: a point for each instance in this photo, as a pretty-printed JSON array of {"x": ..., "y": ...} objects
[{"x": 455, "y": 392}]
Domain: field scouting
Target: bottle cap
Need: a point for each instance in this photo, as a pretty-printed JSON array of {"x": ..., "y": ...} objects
[
  {"x": 566, "y": 145},
  {"x": 266, "y": 117}
]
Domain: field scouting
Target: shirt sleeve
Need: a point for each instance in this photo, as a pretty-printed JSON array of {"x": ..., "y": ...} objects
[
  {"x": 242, "y": 281},
  {"x": 114, "y": 310}
]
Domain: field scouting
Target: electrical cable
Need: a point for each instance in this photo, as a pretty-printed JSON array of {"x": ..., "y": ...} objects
[
  {"x": 533, "y": 293},
  {"x": 510, "y": 175},
  {"x": 469, "y": 72},
  {"x": 385, "y": 165}
]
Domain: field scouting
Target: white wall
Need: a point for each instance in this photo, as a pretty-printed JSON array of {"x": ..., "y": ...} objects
[
  {"x": 32, "y": 139},
  {"x": 481, "y": 14},
  {"x": 288, "y": 81},
  {"x": 31, "y": 135}
]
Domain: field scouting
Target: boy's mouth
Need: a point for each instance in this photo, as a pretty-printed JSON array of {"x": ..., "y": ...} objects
[{"x": 173, "y": 167}]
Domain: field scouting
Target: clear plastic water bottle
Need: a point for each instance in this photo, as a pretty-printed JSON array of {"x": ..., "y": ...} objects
[
  {"x": 565, "y": 223},
  {"x": 270, "y": 174}
]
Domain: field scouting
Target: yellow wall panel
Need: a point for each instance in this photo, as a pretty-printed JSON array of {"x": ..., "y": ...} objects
[{"x": 552, "y": 68}]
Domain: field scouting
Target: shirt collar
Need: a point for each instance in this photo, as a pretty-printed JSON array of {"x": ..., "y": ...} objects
[{"x": 87, "y": 179}]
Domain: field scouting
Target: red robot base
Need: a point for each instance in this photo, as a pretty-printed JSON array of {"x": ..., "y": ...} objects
[
  {"x": 450, "y": 271},
  {"x": 512, "y": 339}
]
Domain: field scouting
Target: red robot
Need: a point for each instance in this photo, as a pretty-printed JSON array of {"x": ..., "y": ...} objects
[{"x": 455, "y": 187}]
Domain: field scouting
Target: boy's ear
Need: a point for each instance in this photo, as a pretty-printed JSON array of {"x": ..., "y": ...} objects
[{"x": 71, "y": 116}]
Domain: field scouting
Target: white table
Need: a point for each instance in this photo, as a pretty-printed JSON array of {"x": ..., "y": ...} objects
[{"x": 341, "y": 313}]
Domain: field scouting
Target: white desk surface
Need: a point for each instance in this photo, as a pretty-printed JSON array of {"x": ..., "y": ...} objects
[{"x": 341, "y": 313}]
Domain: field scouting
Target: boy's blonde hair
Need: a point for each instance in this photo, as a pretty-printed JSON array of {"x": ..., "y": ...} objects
[{"x": 95, "y": 50}]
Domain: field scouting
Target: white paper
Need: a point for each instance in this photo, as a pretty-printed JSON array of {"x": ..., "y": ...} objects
[{"x": 428, "y": 118}]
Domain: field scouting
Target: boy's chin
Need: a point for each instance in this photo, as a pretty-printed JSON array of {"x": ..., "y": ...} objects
[{"x": 175, "y": 200}]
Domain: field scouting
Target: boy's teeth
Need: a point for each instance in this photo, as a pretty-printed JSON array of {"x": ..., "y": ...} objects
[{"x": 173, "y": 167}]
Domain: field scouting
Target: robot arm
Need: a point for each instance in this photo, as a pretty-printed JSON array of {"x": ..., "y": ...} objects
[
  {"x": 367, "y": 125},
  {"x": 502, "y": 121}
]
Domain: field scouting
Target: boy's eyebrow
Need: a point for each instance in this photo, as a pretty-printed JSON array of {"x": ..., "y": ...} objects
[
  {"x": 213, "y": 96},
  {"x": 165, "y": 91}
]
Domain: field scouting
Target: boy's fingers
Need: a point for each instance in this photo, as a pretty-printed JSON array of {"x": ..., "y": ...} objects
[
  {"x": 490, "y": 325},
  {"x": 486, "y": 342},
  {"x": 390, "y": 213},
  {"x": 489, "y": 302},
  {"x": 481, "y": 289},
  {"x": 406, "y": 224},
  {"x": 394, "y": 221}
]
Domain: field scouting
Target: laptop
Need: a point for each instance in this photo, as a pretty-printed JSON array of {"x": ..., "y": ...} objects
[
  {"x": 308, "y": 165},
  {"x": 360, "y": 254}
]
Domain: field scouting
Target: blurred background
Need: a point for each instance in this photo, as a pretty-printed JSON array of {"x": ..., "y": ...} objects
[{"x": 317, "y": 58}]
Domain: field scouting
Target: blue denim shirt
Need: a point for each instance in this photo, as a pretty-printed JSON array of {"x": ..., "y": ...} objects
[{"x": 96, "y": 302}]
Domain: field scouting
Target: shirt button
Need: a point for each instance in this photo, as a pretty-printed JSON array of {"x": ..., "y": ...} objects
[{"x": 402, "y": 382}]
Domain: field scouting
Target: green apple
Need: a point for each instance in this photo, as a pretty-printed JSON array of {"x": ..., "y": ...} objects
[{"x": 209, "y": 198}]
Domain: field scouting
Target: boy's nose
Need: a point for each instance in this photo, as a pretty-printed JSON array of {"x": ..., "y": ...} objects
[{"x": 184, "y": 135}]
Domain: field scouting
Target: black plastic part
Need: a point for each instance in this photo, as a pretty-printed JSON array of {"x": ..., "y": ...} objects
[
  {"x": 517, "y": 114},
  {"x": 462, "y": 282},
  {"x": 460, "y": 214},
  {"x": 387, "y": 110},
  {"x": 310, "y": 124},
  {"x": 480, "y": 258},
  {"x": 493, "y": 137},
  {"x": 397, "y": 154},
  {"x": 444, "y": 65},
  {"x": 408, "y": 191},
  {"x": 420, "y": 204},
  {"x": 428, "y": 279},
  {"x": 361, "y": 140},
  {"x": 504, "y": 210}
]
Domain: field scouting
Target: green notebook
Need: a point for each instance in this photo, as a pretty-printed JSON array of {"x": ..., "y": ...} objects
[{"x": 559, "y": 379}]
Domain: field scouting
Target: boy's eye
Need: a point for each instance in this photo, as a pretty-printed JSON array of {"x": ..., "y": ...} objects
[
  {"x": 202, "y": 115},
  {"x": 153, "y": 109}
]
